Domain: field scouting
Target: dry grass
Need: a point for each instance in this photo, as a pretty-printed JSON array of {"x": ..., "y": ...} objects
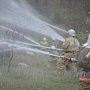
[{"x": 37, "y": 76}]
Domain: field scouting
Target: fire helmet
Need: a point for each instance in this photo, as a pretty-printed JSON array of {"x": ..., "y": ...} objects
[
  {"x": 72, "y": 32},
  {"x": 44, "y": 39}
]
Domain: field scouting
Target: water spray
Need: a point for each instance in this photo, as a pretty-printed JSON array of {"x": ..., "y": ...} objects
[
  {"x": 20, "y": 34},
  {"x": 20, "y": 16}
]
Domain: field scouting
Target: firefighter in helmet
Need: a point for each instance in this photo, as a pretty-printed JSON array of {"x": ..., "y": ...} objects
[
  {"x": 71, "y": 47},
  {"x": 44, "y": 42}
]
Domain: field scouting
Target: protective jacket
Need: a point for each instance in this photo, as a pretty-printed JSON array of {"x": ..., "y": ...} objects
[{"x": 71, "y": 44}]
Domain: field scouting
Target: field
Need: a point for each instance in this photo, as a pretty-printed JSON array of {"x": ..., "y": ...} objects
[{"x": 39, "y": 74}]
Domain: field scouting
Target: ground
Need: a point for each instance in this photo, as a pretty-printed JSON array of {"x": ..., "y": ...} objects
[{"x": 38, "y": 75}]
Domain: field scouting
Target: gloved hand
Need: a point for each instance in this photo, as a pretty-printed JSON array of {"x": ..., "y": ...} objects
[{"x": 66, "y": 58}]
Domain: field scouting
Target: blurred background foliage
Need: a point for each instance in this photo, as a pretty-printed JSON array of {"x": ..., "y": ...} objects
[{"x": 66, "y": 14}]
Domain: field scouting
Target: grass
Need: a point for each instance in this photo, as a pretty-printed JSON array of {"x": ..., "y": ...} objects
[
  {"x": 36, "y": 77},
  {"x": 69, "y": 81}
]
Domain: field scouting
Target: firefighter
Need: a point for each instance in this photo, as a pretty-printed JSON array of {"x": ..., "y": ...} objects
[
  {"x": 84, "y": 63},
  {"x": 71, "y": 47},
  {"x": 44, "y": 42},
  {"x": 54, "y": 44}
]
